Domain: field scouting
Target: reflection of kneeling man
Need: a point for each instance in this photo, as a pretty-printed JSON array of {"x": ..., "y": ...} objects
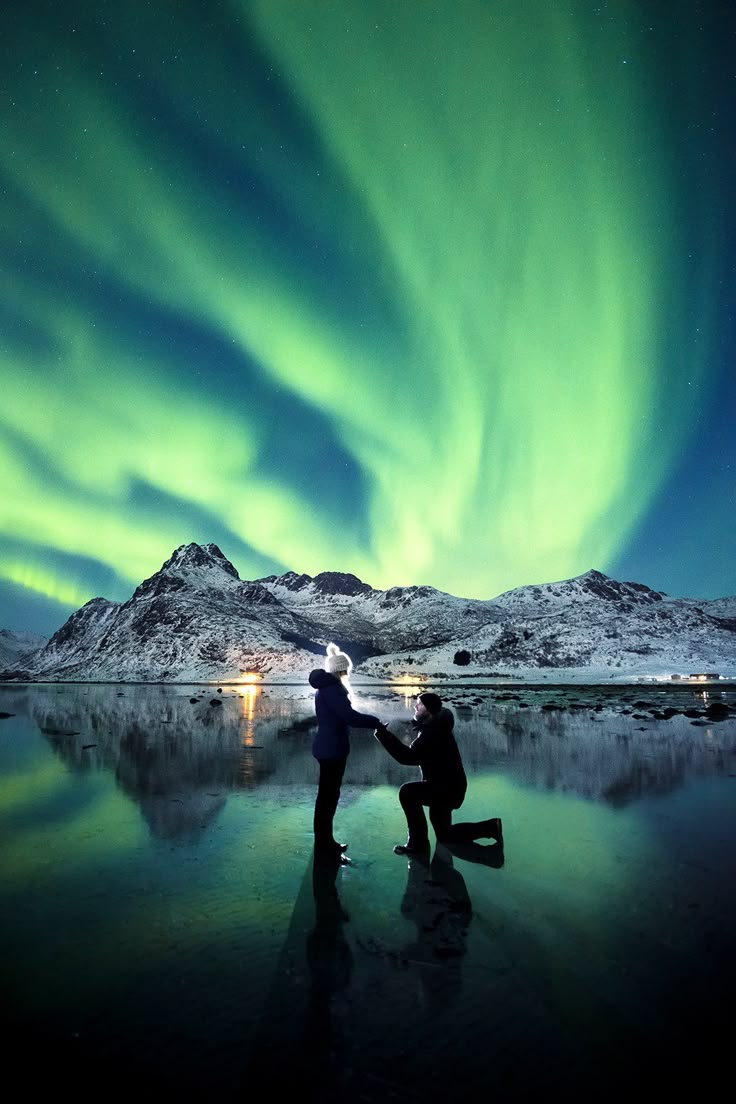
[
  {"x": 436, "y": 900},
  {"x": 443, "y": 783}
]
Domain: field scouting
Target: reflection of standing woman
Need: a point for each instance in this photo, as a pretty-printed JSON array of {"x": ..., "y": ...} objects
[{"x": 331, "y": 746}]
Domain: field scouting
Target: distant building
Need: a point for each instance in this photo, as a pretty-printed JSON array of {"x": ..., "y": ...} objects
[{"x": 709, "y": 676}]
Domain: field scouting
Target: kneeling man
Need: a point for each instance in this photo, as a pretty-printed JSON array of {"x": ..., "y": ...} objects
[{"x": 443, "y": 783}]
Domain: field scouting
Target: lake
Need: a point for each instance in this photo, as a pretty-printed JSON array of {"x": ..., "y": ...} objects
[{"x": 163, "y": 922}]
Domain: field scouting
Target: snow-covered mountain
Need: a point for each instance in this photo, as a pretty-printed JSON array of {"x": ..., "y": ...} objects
[
  {"x": 15, "y": 645},
  {"x": 196, "y": 620},
  {"x": 373, "y": 621},
  {"x": 716, "y": 607},
  {"x": 588, "y": 626},
  {"x": 193, "y": 620}
]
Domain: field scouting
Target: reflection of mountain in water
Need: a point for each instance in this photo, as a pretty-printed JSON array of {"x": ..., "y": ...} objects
[
  {"x": 605, "y": 756},
  {"x": 179, "y": 759},
  {"x": 176, "y": 758}
]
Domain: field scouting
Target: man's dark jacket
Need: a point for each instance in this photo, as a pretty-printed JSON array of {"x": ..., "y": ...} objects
[
  {"x": 435, "y": 752},
  {"x": 335, "y": 715}
]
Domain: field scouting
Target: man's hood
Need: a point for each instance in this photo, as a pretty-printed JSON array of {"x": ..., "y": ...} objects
[{"x": 320, "y": 678}]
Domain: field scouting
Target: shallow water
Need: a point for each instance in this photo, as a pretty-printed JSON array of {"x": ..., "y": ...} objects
[{"x": 162, "y": 921}]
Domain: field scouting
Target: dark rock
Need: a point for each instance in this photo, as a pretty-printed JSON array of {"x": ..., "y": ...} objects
[
  {"x": 215, "y": 701},
  {"x": 258, "y": 595},
  {"x": 86, "y": 747},
  {"x": 4, "y": 715},
  {"x": 193, "y": 701},
  {"x": 337, "y": 582},
  {"x": 622, "y": 594},
  {"x": 290, "y": 580},
  {"x": 693, "y": 713}
]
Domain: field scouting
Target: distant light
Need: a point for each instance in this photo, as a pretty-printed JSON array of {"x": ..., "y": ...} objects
[
  {"x": 410, "y": 685},
  {"x": 251, "y": 676}
]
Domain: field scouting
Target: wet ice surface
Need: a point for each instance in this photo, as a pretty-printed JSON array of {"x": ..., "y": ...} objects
[{"x": 161, "y": 917}]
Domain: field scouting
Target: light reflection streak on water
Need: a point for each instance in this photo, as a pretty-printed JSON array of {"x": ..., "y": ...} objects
[
  {"x": 409, "y": 687},
  {"x": 248, "y": 695}
]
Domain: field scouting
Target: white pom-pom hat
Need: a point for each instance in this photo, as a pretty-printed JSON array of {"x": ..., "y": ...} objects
[{"x": 337, "y": 663}]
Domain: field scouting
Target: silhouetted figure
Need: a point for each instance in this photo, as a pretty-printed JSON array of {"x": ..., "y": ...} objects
[
  {"x": 436, "y": 900},
  {"x": 335, "y": 716},
  {"x": 301, "y": 1041},
  {"x": 443, "y": 783},
  {"x": 330, "y": 962}
]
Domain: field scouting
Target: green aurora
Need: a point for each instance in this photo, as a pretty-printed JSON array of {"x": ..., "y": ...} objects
[{"x": 400, "y": 289}]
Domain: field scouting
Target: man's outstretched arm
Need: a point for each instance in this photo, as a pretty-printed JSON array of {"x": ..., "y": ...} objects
[{"x": 400, "y": 751}]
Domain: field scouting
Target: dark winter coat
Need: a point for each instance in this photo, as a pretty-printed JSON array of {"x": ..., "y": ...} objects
[
  {"x": 335, "y": 715},
  {"x": 435, "y": 752}
]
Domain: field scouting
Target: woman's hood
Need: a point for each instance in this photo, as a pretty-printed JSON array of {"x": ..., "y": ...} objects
[{"x": 320, "y": 678}]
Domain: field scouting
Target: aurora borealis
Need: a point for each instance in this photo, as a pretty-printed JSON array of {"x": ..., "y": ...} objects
[{"x": 430, "y": 292}]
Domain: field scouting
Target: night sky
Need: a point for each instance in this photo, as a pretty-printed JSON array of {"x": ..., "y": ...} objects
[{"x": 430, "y": 292}]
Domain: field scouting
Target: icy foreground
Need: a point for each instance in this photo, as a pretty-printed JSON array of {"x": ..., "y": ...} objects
[{"x": 196, "y": 620}]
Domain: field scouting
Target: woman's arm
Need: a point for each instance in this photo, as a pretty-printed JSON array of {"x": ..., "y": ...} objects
[{"x": 341, "y": 707}]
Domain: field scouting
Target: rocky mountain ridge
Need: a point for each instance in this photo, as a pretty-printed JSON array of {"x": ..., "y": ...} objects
[
  {"x": 196, "y": 620},
  {"x": 14, "y": 645}
]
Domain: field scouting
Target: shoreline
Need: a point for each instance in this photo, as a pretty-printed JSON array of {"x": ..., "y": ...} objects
[{"x": 406, "y": 681}]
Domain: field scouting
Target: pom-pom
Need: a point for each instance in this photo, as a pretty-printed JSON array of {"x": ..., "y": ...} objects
[{"x": 337, "y": 663}]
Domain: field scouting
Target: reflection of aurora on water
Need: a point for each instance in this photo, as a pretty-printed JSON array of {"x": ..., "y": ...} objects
[{"x": 179, "y": 761}]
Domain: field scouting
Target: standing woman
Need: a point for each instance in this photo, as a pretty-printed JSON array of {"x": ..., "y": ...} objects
[{"x": 331, "y": 746}]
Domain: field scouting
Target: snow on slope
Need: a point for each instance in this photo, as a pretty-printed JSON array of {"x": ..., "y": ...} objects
[
  {"x": 379, "y": 620},
  {"x": 196, "y": 620},
  {"x": 591, "y": 625},
  {"x": 15, "y": 645},
  {"x": 193, "y": 620}
]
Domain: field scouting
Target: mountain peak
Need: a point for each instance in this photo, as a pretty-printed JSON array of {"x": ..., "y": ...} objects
[
  {"x": 327, "y": 582},
  {"x": 338, "y": 582},
  {"x": 187, "y": 564},
  {"x": 289, "y": 579},
  {"x": 198, "y": 556},
  {"x": 603, "y": 586},
  {"x": 593, "y": 574}
]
